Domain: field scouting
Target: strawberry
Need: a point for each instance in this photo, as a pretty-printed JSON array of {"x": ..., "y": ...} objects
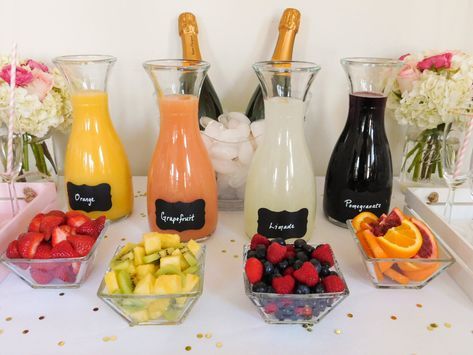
[
  {"x": 64, "y": 250},
  {"x": 276, "y": 253},
  {"x": 12, "y": 250},
  {"x": 82, "y": 244},
  {"x": 93, "y": 227},
  {"x": 35, "y": 223},
  {"x": 333, "y": 283},
  {"x": 64, "y": 273},
  {"x": 254, "y": 270},
  {"x": 271, "y": 308},
  {"x": 283, "y": 284},
  {"x": 28, "y": 243},
  {"x": 41, "y": 276},
  {"x": 307, "y": 274},
  {"x": 288, "y": 271},
  {"x": 323, "y": 253},
  {"x": 305, "y": 311},
  {"x": 43, "y": 251},
  {"x": 76, "y": 219},
  {"x": 49, "y": 223},
  {"x": 258, "y": 239},
  {"x": 56, "y": 213},
  {"x": 61, "y": 233}
]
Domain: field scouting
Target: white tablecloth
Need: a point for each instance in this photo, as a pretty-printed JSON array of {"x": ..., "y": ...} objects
[{"x": 71, "y": 326}]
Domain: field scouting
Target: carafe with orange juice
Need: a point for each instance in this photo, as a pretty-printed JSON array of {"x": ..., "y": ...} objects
[
  {"x": 96, "y": 172},
  {"x": 182, "y": 190}
]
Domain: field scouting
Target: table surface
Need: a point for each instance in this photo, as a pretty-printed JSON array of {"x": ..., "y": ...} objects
[{"x": 383, "y": 321}]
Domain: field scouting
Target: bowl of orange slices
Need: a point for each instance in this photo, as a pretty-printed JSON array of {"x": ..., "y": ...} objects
[{"x": 399, "y": 250}]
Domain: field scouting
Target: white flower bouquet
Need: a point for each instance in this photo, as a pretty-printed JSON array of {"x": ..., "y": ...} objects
[
  {"x": 428, "y": 91},
  {"x": 42, "y": 105}
]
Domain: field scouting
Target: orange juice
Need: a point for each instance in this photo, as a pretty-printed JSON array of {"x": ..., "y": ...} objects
[
  {"x": 97, "y": 174},
  {"x": 182, "y": 190}
]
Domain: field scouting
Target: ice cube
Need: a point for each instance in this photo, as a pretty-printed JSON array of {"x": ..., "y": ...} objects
[
  {"x": 236, "y": 119},
  {"x": 204, "y": 121},
  {"x": 214, "y": 129},
  {"x": 225, "y": 191},
  {"x": 245, "y": 152},
  {"x": 257, "y": 128},
  {"x": 224, "y": 151},
  {"x": 238, "y": 178},
  {"x": 236, "y": 134},
  {"x": 224, "y": 166},
  {"x": 207, "y": 141},
  {"x": 224, "y": 119}
]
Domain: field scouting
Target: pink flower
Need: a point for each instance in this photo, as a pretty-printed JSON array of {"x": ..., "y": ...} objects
[
  {"x": 23, "y": 76},
  {"x": 37, "y": 65},
  {"x": 407, "y": 76},
  {"x": 440, "y": 61},
  {"x": 402, "y": 57},
  {"x": 41, "y": 84}
]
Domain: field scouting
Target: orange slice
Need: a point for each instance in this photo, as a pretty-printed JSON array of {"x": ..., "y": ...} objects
[
  {"x": 376, "y": 250},
  {"x": 421, "y": 275},
  {"x": 364, "y": 244},
  {"x": 366, "y": 217},
  {"x": 403, "y": 241},
  {"x": 397, "y": 276}
]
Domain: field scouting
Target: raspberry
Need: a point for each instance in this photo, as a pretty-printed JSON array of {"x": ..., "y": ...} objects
[
  {"x": 307, "y": 274},
  {"x": 323, "y": 253},
  {"x": 276, "y": 253},
  {"x": 284, "y": 284},
  {"x": 333, "y": 283},
  {"x": 288, "y": 271},
  {"x": 258, "y": 239},
  {"x": 254, "y": 270},
  {"x": 290, "y": 252},
  {"x": 271, "y": 308}
]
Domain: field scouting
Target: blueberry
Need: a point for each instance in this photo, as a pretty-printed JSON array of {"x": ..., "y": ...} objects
[
  {"x": 287, "y": 312},
  {"x": 280, "y": 241},
  {"x": 301, "y": 255},
  {"x": 325, "y": 271},
  {"x": 261, "y": 251},
  {"x": 302, "y": 289},
  {"x": 251, "y": 254},
  {"x": 283, "y": 265},
  {"x": 308, "y": 248},
  {"x": 297, "y": 264},
  {"x": 260, "y": 287},
  {"x": 299, "y": 243},
  {"x": 316, "y": 263},
  {"x": 319, "y": 288},
  {"x": 268, "y": 268},
  {"x": 290, "y": 260},
  {"x": 279, "y": 315}
]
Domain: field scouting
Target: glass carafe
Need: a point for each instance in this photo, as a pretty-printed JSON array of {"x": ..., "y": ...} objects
[
  {"x": 182, "y": 190},
  {"x": 359, "y": 175},
  {"x": 280, "y": 195},
  {"x": 96, "y": 172}
]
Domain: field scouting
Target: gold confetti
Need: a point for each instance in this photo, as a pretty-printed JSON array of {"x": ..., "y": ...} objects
[
  {"x": 26, "y": 331},
  {"x": 62, "y": 294},
  {"x": 113, "y": 338},
  {"x": 95, "y": 309},
  {"x": 188, "y": 348},
  {"x": 105, "y": 237},
  {"x": 8, "y": 319},
  {"x": 418, "y": 305},
  {"x": 106, "y": 339},
  {"x": 224, "y": 251},
  {"x": 447, "y": 325},
  {"x": 123, "y": 239},
  {"x": 218, "y": 344},
  {"x": 433, "y": 325},
  {"x": 208, "y": 335},
  {"x": 309, "y": 329},
  {"x": 349, "y": 315},
  {"x": 61, "y": 343},
  {"x": 41, "y": 317},
  {"x": 429, "y": 328},
  {"x": 232, "y": 240},
  {"x": 393, "y": 317},
  {"x": 200, "y": 336},
  {"x": 338, "y": 331},
  {"x": 235, "y": 256}
]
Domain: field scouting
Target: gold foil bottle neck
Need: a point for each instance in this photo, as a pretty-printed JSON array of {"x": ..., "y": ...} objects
[
  {"x": 187, "y": 23},
  {"x": 290, "y": 20}
]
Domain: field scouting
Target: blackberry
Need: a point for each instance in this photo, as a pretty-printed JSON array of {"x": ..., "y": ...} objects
[
  {"x": 325, "y": 271},
  {"x": 301, "y": 255},
  {"x": 290, "y": 260},
  {"x": 251, "y": 254},
  {"x": 302, "y": 289},
  {"x": 297, "y": 264},
  {"x": 282, "y": 265},
  {"x": 280, "y": 241},
  {"x": 260, "y": 251},
  {"x": 317, "y": 264},
  {"x": 299, "y": 243},
  {"x": 333, "y": 273},
  {"x": 260, "y": 287},
  {"x": 270, "y": 289}
]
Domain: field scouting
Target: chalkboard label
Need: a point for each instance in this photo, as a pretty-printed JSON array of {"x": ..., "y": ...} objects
[
  {"x": 283, "y": 224},
  {"x": 89, "y": 198},
  {"x": 180, "y": 216}
]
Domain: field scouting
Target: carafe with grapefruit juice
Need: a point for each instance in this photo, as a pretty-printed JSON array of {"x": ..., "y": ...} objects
[
  {"x": 182, "y": 190},
  {"x": 96, "y": 173}
]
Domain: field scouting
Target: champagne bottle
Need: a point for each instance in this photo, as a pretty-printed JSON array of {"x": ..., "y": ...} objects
[
  {"x": 288, "y": 27},
  {"x": 209, "y": 103}
]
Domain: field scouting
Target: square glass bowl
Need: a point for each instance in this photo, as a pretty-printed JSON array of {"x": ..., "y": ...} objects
[
  {"x": 55, "y": 273},
  {"x": 154, "y": 309},
  {"x": 402, "y": 273},
  {"x": 294, "y": 309}
]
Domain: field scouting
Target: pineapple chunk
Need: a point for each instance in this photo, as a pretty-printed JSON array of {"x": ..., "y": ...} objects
[
  {"x": 170, "y": 240},
  {"x": 143, "y": 270},
  {"x": 167, "y": 284},
  {"x": 190, "y": 282},
  {"x": 127, "y": 248},
  {"x": 184, "y": 263},
  {"x": 174, "y": 260},
  {"x": 139, "y": 253},
  {"x": 157, "y": 307},
  {"x": 145, "y": 285},
  {"x": 139, "y": 316},
  {"x": 194, "y": 247},
  {"x": 111, "y": 282},
  {"x": 152, "y": 242}
]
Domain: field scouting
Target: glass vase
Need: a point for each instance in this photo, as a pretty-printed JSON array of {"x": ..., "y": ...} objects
[{"x": 39, "y": 162}]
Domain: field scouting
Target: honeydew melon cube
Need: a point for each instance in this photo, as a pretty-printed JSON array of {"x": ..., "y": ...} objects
[
  {"x": 168, "y": 270},
  {"x": 140, "y": 316},
  {"x": 191, "y": 270},
  {"x": 139, "y": 253},
  {"x": 170, "y": 240},
  {"x": 174, "y": 260},
  {"x": 145, "y": 285},
  {"x": 168, "y": 284},
  {"x": 152, "y": 242},
  {"x": 194, "y": 247},
  {"x": 111, "y": 282},
  {"x": 191, "y": 260},
  {"x": 132, "y": 269},
  {"x": 143, "y": 270},
  {"x": 184, "y": 263}
]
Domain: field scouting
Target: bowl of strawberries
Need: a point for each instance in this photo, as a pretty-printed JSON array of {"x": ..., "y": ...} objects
[
  {"x": 297, "y": 283},
  {"x": 57, "y": 250}
]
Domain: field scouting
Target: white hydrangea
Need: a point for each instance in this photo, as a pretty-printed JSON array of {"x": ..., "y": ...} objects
[
  {"x": 32, "y": 116},
  {"x": 436, "y": 95}
]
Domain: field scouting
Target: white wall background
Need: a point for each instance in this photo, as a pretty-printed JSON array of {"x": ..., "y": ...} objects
[{"x": 233, "y": 35}]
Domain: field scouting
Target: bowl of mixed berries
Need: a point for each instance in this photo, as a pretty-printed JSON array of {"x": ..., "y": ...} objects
[
  {"x": 57, "y": 249},
  {"x": 297, "y": 283}
]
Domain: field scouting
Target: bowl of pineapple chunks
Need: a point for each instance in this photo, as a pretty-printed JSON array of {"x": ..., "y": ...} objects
[{"x": 156, "y": 281}]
